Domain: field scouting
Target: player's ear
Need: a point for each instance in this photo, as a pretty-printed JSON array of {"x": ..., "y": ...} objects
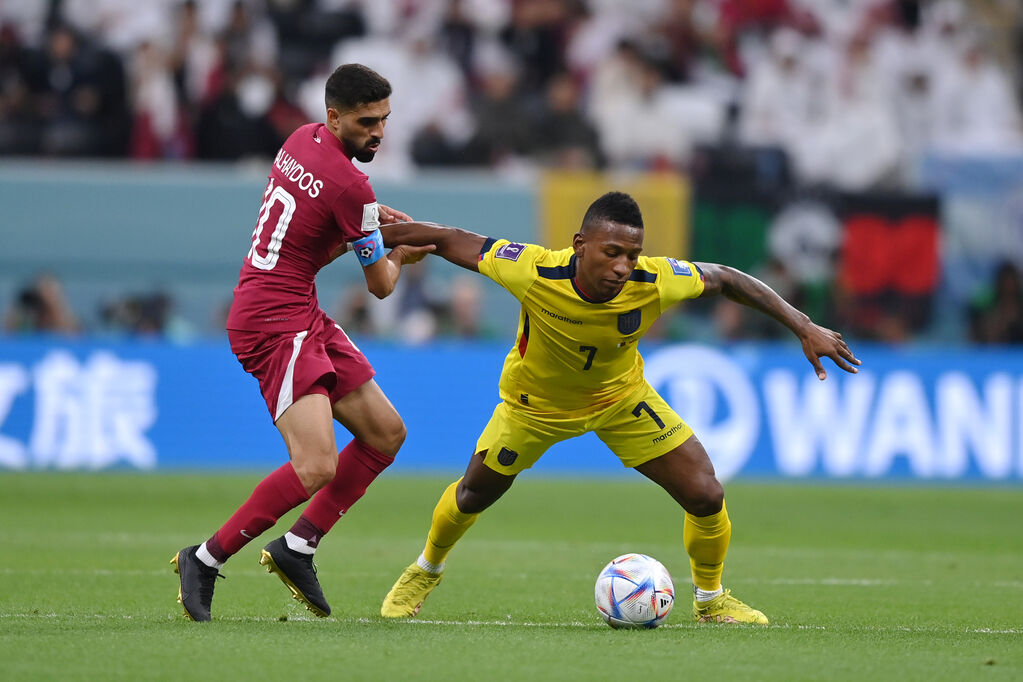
[
  {"x": 578, "y": 242},
  {"x": 333, "y": 118}
]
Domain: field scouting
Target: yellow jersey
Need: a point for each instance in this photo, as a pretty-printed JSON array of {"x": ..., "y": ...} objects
[{"x": 571, "y": 353}]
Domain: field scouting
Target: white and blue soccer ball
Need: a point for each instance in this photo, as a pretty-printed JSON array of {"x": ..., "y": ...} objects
[{"x": 634, "y": 591}]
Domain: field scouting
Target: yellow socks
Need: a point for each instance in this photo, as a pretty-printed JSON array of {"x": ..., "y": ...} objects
[
  {"x": 706, "y": 541},
  {"x": 449, "y": 525}
]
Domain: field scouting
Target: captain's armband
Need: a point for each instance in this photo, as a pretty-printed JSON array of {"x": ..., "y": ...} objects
[{"x": 369, "y": 249}]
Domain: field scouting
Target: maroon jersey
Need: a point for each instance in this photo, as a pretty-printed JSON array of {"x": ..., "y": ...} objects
[{"x": 315, "y": 199}]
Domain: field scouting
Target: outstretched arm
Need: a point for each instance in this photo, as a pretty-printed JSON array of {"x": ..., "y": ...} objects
[
  {"x": 817, "y": 341},
  {"x": 382, "y": 276},
  {"x": 459, "y": 246}
]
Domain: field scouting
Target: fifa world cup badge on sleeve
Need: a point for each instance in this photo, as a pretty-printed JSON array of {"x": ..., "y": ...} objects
[
  {"x": 369, "y": 249},
  {"x": 679, "y": 268},
  {"x": 370, "y": 217},
  {"x": 510, "y": 251}
]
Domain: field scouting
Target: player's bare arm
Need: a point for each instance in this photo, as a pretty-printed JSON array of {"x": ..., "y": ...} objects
[
  {"x": 382, "y": 276},
  {"x": 817, "y": 341},
  {"x": 454, "y": 244}
]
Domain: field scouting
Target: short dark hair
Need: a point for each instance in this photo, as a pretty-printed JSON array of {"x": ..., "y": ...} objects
[
  {"x": 617, "y": 207},
  {"x": 353, "y": 84}
]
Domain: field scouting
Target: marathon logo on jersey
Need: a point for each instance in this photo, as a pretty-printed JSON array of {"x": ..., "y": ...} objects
[
  {"x": 510, "y": 251},
  {"x": 370, "y": 217},
  {"x": 680, "y": 268},
  {"x": 507, "y": 457},
  {"x": 629, "y": 322}
]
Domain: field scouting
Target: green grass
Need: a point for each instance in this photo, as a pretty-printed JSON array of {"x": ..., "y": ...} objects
[{"x": 860, "y": 584}]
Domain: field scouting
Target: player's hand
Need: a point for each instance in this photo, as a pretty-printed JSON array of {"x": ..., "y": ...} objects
[
  {"x": 389, "y": 216},
  {"x": 410, "y": 254},
  {"x": 819, "y": 342}
]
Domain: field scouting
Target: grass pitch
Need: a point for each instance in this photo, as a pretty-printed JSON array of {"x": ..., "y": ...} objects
[{"x": 860, "y": 583}]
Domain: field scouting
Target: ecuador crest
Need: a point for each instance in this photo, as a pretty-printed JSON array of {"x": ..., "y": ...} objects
[{"x": 629, "y": 322}]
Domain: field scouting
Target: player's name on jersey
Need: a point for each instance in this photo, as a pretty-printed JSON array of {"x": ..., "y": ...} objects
[{"x": 296, "y": 172}]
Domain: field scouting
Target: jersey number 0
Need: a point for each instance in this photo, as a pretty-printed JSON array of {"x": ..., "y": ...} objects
[{"x": 271, "y": 196}]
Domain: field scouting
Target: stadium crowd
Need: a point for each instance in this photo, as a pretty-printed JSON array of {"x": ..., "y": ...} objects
[
  {"x": 850, "y": 93},
  {"x": 577, "y": 83}
]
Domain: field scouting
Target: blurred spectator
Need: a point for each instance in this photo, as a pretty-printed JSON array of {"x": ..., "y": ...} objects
[
  {"x": 819, "y": 77},
  {"x": 503, "y": 133},
  {"x": 778, "y": 100},
  {"x": 464, "y": 308},
  {"x": 19, "y": 122},
  {"x": 562, "y": 136},
  {"x": 645, "y": 123},
  {"x": 195, "y": 60},
  {"x": 27, "y": 20},
  {"x": 117, "y": 25},
  {"x": 249, "y": 39},
  {"x": 41, "y": 307},
  {"x": 237, "y": 124},
  {"x": 998, "y": 316},
  {"x": 978, "y": 112},
  {"x": 160, "y": 128},
  {"x": 680, "y": 40},
  {"x": 80, "y": 96},
  {"x": 744, "y": 26},
  {"x": 149, "y": 314},
  {"x": 309, "y": 29},
  {"x": 854, "y": 94},
  {"x": 535, "y": 36},
  {"x": 855, "y": 145},
  {"x": 411, "y": 314},
  {"x": 458, "y": 36}
]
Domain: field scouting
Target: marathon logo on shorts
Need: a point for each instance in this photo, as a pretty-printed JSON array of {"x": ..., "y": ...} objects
[
  {"x": 370, "y": 217},
  {"x": 629, "y": 322},
  {"x": 680, "y": 268},
  {"x": 510, "y": 251},
  {"x": 507, "y": 457}
]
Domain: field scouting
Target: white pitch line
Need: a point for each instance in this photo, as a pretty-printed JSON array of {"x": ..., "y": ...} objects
[
  {"x": 529, "y": 624},
  {"x": 819, "y": 582},
  {"x": 691, "y": 626}
]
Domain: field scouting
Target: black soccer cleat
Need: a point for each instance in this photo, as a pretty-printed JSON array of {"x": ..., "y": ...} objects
[
  {"x": 297, "y": 571},
  {"x": 195, "y": 593}
]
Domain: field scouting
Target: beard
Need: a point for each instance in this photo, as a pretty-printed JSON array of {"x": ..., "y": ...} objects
[{"x": 365, "y": 156}]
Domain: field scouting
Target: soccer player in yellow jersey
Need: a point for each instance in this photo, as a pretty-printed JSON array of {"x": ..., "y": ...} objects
[{"x": 575, "y": 368}]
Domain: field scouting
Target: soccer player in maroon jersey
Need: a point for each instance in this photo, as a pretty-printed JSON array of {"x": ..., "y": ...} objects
[{"x": 316, "y": 206}]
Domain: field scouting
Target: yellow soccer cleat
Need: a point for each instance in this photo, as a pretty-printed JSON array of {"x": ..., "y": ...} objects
[
  {"x": 725, "y": 608},
  {"x": 408, "y": 594}
]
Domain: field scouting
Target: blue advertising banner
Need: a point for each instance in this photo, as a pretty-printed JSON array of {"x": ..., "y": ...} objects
[{"x": 935, "y": 414}]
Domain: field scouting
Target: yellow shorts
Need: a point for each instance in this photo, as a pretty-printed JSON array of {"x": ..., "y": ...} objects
[{"x": 637, "y": 428}]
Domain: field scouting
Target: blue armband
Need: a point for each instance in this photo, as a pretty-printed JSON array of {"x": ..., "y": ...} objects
[{"x": 369, "y": 249}]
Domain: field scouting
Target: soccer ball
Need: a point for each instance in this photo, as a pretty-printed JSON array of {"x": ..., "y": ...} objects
[{"x": 634, "y": 591}]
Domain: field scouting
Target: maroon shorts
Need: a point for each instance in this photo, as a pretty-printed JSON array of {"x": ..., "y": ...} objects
[{"x": 289, "y": 365}]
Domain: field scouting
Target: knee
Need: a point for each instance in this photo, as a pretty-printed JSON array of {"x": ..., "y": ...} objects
[
  {"x": 471, "y": 501},
  {"x": 316, "y": 472},
  {"x": 390, "y": 439},
  {"x": 706, "y": 498}
]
